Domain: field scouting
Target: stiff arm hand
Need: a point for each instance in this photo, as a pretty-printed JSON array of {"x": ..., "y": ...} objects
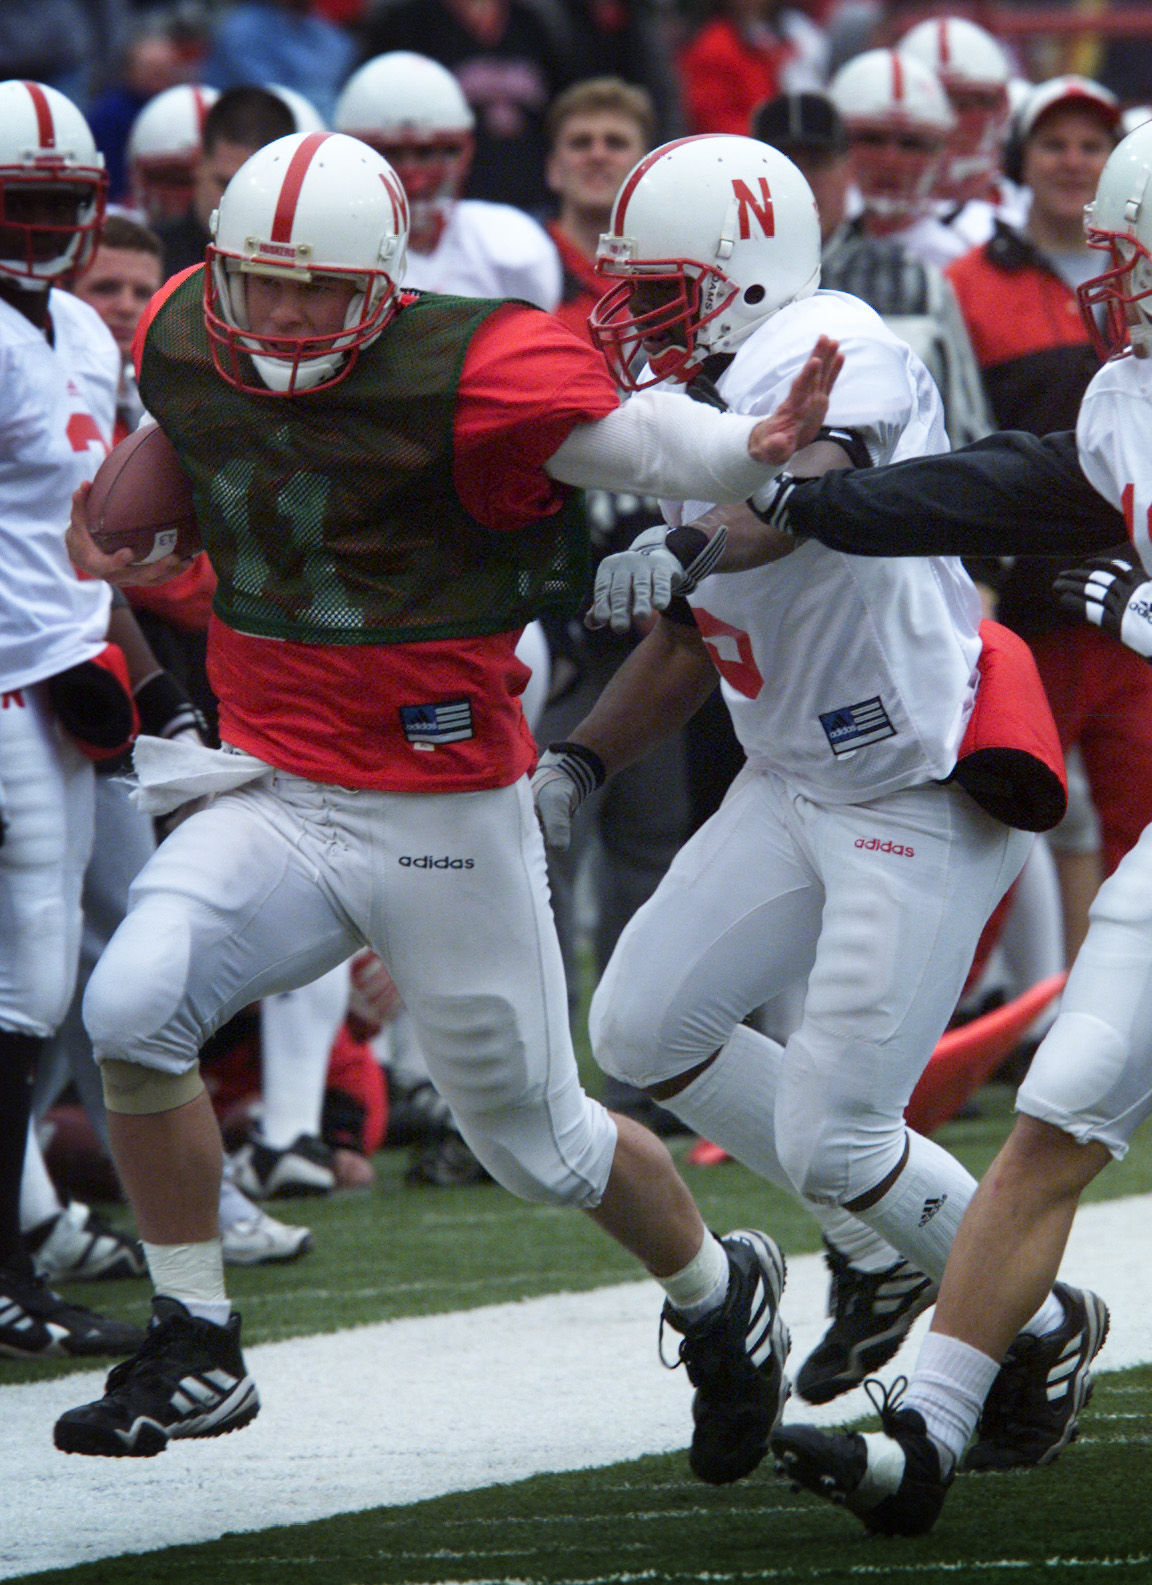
[
  {"x": 660, "y": 563},
  {"x": 1115, "y": 596},
  {"x": 800, "y": 416}
]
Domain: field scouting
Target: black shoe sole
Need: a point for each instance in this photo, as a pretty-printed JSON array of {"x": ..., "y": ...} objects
[{"x": 99, "y": 1441}]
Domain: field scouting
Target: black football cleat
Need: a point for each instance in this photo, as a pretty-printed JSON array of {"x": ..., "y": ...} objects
[
  {"x": 735, "y": 1360},
  {"x": 1033, "y": 1409},
  {"x": 187, "y": 1379},
  {"x": 891, "y": 1479},
  {"x": 872, "y": 1313}
]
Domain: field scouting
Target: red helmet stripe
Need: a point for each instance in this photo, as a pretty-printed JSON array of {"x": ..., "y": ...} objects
[
  {"x": 45, "y": 126},
  {"x": 897, "y": 77},
  {"x": 943, "y": 51},
  {"x": 645, "y": 165},
  {"x": 293, "y": 181},
  {"x": 201, "y": 103}
]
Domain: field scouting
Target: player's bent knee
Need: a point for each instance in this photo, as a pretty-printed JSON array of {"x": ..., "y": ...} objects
[
  {"x": 626, "y": 1048},
  {"x": 134, "y": 1090},
  {"x": 829, "y": 1168},
  {"x": 542, "y": 1158},
  {"x": 136, "y": 990}
]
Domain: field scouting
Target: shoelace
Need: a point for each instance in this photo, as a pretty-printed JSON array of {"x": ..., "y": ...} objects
[
  {"x": 147, "y": 1364},
  {"x": 886, "y": 1400}
]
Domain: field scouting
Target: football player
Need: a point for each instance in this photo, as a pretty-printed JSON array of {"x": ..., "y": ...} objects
[
  {"x": 384, "y": 483},
  {"x": 413, "y": 112},
  {"x": 66, "y": 684},
  {"x": 856, "y": 855},
  {"x": 1090, "y": 1083}
]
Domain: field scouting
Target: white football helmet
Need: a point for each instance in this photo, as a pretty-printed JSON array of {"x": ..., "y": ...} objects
[
  {"x": 1119, "y": 222},
  {"x": 711, "y": 235},
  {"x": 304, "y": 112},
  {"x": 53, "y": 186},
  {"x": 899, "y": 122},
  {"x": 413, "y": 111},
  {"x": 974, "y": 71},
  {"x": 311, "y": 206},
  {"x": 163, "y": 146}
]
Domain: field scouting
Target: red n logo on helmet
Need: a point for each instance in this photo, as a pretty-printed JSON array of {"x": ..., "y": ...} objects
[{"x": 751, "y": 205}]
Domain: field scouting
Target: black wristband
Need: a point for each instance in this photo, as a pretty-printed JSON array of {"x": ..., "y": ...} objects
[
  {"x": 584, "y": 765},
  {"x": 773, "y": 507},
  {"x": 165, "y": 709},
  {"x": 686, "y": 543}
]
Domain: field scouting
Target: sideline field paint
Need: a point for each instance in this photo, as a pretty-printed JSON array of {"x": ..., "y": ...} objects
[{"x": 393, "y": 1413}]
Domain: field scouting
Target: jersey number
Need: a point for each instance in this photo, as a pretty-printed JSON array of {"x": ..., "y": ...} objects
[
  {"x": 83, "y": 434},
  {"x": 731, "y": 651}
]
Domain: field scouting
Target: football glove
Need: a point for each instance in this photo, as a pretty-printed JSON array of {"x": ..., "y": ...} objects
[
  {"x": 565, "y": 775},
  {"x": 659, "y": 563},
  {"x": 1115, "y": 596}
]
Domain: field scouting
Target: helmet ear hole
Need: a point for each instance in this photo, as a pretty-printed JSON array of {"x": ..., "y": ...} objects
[{"x": 754, "y": 294}]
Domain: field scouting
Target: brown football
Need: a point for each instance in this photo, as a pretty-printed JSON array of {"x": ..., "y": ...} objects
[{"x": 142, "y": 498}]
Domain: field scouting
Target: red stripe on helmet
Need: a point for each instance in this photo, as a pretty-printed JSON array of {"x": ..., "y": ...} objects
[
  {"x": 943, "y": 51},
  {"x": 645, "y": 165},
  {"x": 897, "y": 77},
  {"x": 293, "y": 181},
  {"x": 45, "y": 126},
  {"x": 202, "y": 105}
]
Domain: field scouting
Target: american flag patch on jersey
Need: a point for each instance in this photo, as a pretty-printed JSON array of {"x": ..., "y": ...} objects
[
  {"x": 425, "y": 725},
  {"x": 854, "y": 726}
]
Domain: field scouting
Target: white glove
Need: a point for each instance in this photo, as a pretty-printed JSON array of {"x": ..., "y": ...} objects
[
  {"x": 565, "y": 775},
  {"x": 1114, "y": 595},
  {"x": 658, "y": 564}
]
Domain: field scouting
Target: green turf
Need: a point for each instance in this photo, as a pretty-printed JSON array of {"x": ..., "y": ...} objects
[
  {"x": 395, "y": 1251},
  {"x": 1088, "y": 1518}
]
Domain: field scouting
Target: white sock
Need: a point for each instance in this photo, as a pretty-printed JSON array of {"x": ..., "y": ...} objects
[
  {"x": 702, "y": 1285},
  {"x": 192, "y": 1273},
  {"x": 948, "y": 1388},
  {"x": 235, "y": 1206},
  {"x": 922, "y": 1210},
  {"x": 297, "y": 1029},
  {"x": 38, "y": 1197},
  {"x": 854, "y": 1239},
  {"x": 1047, "y": 1319},
  {"x": 733, "y": 1101}
]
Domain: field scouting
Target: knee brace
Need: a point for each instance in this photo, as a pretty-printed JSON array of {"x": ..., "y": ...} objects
[{"x": 132, "y": 1089}]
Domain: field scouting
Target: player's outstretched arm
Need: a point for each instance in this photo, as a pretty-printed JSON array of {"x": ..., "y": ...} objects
[
  {"x": 87, "y": 556},
  {"x": 1011, "y": 493}
]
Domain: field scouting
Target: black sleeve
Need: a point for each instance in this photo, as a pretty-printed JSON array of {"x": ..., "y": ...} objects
[{"x": 1009, "y": 494}]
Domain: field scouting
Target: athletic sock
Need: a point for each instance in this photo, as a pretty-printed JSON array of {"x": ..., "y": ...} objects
[
  {"x": 1047, "y": 1319},
  {"x": 860, "y": 1246},
  {"x": 920, "y": 1213},
  {"x": 702, "y": 1285},
  {"x": 948, "y": 1387},
  {"x": 193, "y": 1274}
]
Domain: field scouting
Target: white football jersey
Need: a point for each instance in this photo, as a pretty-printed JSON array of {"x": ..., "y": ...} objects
[
  {"x": 490, "y": 250},
  {"x": 1114, "y": 439},
  {"x": 56, "y": 423},
  {"x": 853, "y": 676}
]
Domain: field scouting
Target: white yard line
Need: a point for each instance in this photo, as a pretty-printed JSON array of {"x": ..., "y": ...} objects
[{"x": 392, "y": 1413}]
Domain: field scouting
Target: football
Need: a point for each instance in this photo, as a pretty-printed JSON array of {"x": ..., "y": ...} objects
[{"x": 141, "y": 499}]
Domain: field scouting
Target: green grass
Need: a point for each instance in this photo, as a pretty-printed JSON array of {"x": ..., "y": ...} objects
[
  {"x": 394, "y": 1251},
  {"x": 1087, "y": 1518}
]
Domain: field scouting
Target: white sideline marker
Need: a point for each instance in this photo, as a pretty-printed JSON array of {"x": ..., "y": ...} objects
[{"x": 383, "y": 1415}]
